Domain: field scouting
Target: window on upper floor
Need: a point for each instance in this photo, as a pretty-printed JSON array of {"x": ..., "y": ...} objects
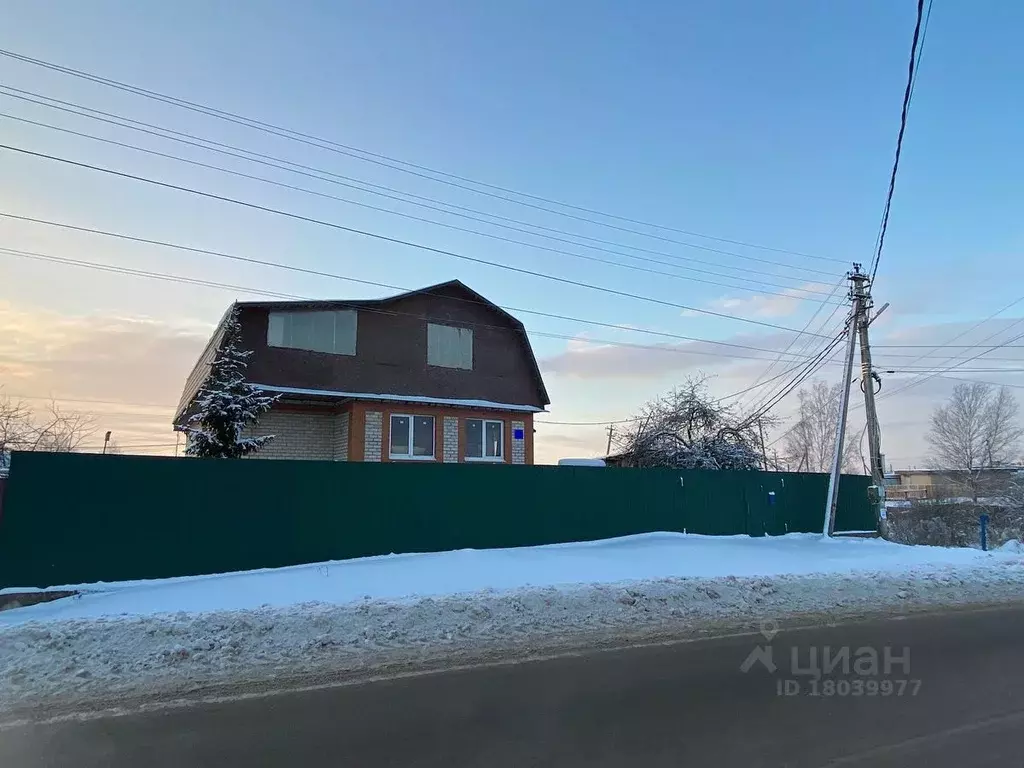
[
  {"x": 449, "y": 347},
  {"x": 484, "y": 439},
  {"x": 331, "y": 332}
]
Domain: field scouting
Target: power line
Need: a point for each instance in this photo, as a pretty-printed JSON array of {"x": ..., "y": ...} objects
[
  {"x": 796, "y": 338},
  {"x": 89, "y": 400},
  {"x": 933, "y": 347},
  {"x": 346, "y": 278},
  {"x": 807, "y": 370},
  {"x": 258, "y": 291},
  {"x": 686, "y": 278},
  {"x": 365, "y": 186},
  {"x": 756, "y": 385},
  {"x": 388, "y": 239},
  {"x": 919, "y": 380},
  {"x": 962, "y": 370},
  {"x": 899, "y": 139},
  {"x": 960, "y": 335},
  {"x": 808, "y": 342},
  {"x": 588, "y": 423},
  {"x": 396, "y": 164}
]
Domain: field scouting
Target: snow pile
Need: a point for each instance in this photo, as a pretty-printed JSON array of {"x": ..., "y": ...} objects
[
  {"x": 629, "y": 558},
  {"x": 349, "y": 618}
]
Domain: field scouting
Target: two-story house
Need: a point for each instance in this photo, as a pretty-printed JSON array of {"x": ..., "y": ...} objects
[{"x": 438, "y": 374}]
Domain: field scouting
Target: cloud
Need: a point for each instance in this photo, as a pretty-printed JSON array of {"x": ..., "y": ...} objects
[
  {"x": 904, "y": 416},
  {"x": 783, "y": 303},
  {"x": 122, "y": 360},
  {"x": 653, "y": 360}
]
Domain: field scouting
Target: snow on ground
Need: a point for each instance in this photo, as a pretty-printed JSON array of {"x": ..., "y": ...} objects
[
  {"x": 630, "y": 558},
  {"x": 168, "y": 635}
]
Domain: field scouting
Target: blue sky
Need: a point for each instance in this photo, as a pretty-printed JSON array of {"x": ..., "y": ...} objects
[{"x": 767, "y": 123}]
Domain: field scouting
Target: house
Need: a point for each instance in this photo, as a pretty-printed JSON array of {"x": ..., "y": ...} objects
[
  {"x": 438, "y": 374},
  {"x": 917, "y": 484}
]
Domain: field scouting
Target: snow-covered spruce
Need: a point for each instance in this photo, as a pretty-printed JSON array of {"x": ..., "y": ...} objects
[{"x": 227, "y": 404}]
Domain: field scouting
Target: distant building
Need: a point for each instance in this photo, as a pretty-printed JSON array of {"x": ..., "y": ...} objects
[{"x": 923, "y": 484}]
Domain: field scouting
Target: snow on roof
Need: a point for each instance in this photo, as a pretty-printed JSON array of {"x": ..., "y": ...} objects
[{"x": 402, "y": 398}]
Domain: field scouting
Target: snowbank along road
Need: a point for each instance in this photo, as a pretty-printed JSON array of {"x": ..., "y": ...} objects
[{"x": 357, "y": 618}]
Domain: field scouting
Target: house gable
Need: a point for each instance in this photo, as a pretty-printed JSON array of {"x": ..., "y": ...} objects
[{"x": 391, "y": 350}]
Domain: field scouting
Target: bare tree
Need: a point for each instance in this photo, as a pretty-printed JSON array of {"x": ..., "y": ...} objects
[
  {"x": 810, "y": 443},
  {"x": 55, "y": 430},
  {"x": 16, "y": 426},
  {"x": 977, "y": 428},
  {"x": 688, "y": 429},
  {"x": 61, "y": 431}
]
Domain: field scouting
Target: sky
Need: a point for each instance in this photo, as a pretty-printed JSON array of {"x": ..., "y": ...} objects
[{"x": 729, "y": 125}]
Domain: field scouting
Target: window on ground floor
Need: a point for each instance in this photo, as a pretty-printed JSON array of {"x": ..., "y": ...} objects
[
  {"x": 412, "y": 437},
  {"x": 485, "y": 439}
]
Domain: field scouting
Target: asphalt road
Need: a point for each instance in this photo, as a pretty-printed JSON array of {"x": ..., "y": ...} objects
[{"x": 688, "y": 704}]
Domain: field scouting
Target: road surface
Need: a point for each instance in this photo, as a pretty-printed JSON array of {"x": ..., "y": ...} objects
[{"x": 687, "y": 704}]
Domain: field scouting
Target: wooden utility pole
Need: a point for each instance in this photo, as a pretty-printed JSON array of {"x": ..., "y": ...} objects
[
  {"x": 611, "y": 431},
  {"x": 876, "y": 461}
]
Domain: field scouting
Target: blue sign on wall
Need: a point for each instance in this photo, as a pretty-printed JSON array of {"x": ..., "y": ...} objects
[{"x": 517, "y": 434}]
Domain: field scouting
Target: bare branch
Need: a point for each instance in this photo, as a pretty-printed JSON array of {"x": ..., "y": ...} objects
[
  {"x": 978, "y": 428},
  {"x": 811, "y": 442},
  {"x": 57, "y": 430},
  {"x": 688, "y": 429}
]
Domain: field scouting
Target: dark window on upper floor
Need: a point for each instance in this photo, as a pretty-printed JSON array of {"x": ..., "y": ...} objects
[{"x": 331, "y": 332}]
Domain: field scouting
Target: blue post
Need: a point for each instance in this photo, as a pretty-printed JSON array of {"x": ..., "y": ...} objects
[{"x": 984, "y": 533}]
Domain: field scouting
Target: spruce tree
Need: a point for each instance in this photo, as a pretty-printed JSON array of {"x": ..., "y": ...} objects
[{"x": 227, "y": 404}]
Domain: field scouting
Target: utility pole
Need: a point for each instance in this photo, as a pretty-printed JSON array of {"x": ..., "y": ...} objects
[
  {"x": 837, "y": 459},
  {"x": 611, "y": 431},
  {"x": 764, "y": 452},
  {"x": 862, "y": 297}
]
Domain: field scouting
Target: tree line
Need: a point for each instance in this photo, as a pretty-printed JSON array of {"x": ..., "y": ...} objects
[{"x": 978, "y": 428}]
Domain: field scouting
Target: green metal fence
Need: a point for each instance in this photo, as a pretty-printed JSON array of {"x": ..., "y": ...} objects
[{"x": 71, "y": 518}]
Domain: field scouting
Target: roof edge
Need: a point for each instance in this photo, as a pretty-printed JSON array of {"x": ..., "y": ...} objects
[{"x": 388, "y": 397}]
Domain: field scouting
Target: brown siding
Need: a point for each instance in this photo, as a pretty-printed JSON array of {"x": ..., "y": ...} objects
[
  {"x": 357, "y": 432},
  {"x": 391, "y": 355}
]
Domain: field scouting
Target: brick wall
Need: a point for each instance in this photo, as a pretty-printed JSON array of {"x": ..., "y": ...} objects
[
  {"x": 361, "y": 432},
  {"x": 373, "y": 442},
  {"x": 451, "y": 439},
  {"x": 341, "y": 429},
  {"x": 297, "y": 434},
  {"x": 519, "y": 445}
]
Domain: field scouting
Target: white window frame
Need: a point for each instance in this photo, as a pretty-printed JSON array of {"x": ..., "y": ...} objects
[
  {"x": 412, "y": 430},
  {"x": 483, "y": 441}
]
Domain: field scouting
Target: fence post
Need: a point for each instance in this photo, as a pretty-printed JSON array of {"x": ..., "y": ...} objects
[{"x": 984, "y": 532}]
